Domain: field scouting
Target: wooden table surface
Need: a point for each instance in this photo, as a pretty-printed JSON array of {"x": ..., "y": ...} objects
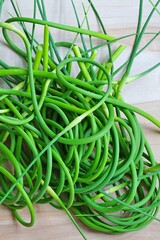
[{"x": 55, "y": 224}]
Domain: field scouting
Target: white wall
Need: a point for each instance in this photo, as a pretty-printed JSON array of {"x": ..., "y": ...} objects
[{"x": 120, "y": 18}]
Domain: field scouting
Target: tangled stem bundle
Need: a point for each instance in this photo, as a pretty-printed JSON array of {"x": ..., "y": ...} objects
[{"x": 72, "y": 141}]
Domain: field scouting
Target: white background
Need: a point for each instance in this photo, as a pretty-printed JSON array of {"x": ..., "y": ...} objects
[{"x": 120, "y": 18}]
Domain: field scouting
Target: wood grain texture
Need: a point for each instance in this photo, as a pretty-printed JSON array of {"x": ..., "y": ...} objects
[{"x": 55, "y": 224}]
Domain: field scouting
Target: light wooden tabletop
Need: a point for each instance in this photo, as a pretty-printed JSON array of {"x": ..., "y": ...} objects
[{"x": 55, "y": 224}]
